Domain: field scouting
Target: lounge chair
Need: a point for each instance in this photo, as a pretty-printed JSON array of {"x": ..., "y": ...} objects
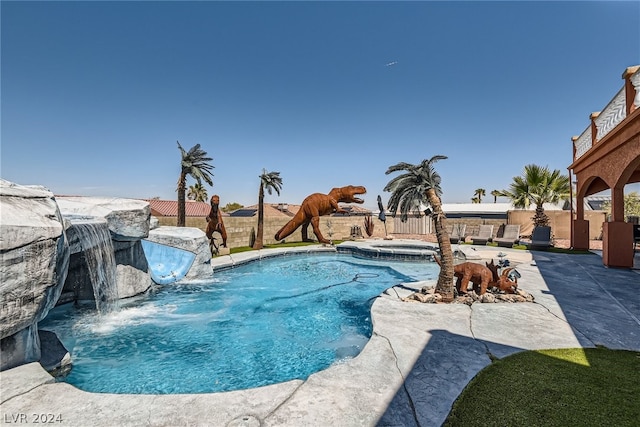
[
  {"x": 484, "y": 235},
  {"x": 510, "y": 237},
  {"x": 541, "y": 238},
  {"x": 457, "y": 233}
]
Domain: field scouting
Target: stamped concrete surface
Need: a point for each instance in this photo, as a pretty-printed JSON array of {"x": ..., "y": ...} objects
[{"x": 417, "y": 362}]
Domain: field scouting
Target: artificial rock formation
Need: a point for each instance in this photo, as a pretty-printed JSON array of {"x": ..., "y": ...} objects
[
  {"x": 190, "y": 239},
  {"x": 128, "y": 222},
  {"x": 34, "y": 257},
  {"x": 44, "y": 254}
]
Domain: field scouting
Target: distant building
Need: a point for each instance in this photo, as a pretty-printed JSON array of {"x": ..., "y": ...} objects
[{"x": 169, "y": 208}]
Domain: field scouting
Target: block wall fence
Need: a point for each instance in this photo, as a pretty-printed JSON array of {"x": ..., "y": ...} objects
[{"x": 239, "y": 229}]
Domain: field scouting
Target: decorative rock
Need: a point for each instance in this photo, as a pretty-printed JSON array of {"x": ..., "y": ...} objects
[
  {"x": 128, "y": 218},
  {"x": 427, "y": 294},
  {"x": 131, "y": 269},
  {"x": 488, "y": 297},
  {"x": 190, "y": 239},
  {"x": 55, "y": 357},
  {"x": 153, "y": 223},
  {"x": 424, "y": 298},
  {"x": 34, "y": 257}
]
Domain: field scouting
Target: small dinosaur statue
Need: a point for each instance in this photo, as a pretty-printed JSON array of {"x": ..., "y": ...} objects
[
  {"x": 502, "y": 281},
  {"x": 478, "y": 274},
  {"x": 317, "y": 205},
  {"x": 214, "y": 223}
]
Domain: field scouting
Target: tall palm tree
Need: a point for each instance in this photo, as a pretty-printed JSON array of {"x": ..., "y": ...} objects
[
  {"x": 269, "y": 181},
  {"x": 475, "y": 199},
  {"x": 197, "y": 192},
  {"x": 538, "y": 185},
  {"x": 479, "y": 193},
  {"x": 194, "y": 163},
  {"x": 420, "y": 185},
  {"x": 496, "y": 194}
]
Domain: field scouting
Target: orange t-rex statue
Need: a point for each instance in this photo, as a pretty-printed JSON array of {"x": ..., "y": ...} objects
[
  {"x": 317, "y": 205},
  {"x": 214, "y": 223}
]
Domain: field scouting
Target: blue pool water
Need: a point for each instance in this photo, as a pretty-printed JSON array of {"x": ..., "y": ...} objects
[{"x": 260, "y": 323}]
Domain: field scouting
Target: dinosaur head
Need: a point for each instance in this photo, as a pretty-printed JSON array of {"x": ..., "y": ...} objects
[
  {"x": 213, "y": 213},
  {"x": 348, "y": 194}
]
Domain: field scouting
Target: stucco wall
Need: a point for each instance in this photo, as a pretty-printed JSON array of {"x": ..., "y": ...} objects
[{"x": 560, "y": 222}]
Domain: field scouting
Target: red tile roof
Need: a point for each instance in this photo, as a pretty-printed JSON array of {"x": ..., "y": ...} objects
[{"x": 170, "y": 208}]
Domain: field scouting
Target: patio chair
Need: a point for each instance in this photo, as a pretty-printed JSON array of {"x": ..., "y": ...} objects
[
  {"x": 541, "y": 238},
  {"x": 510, "y": 237},
  {"x": 457, "y": 233},
  {"x": 484, "y": 235}
]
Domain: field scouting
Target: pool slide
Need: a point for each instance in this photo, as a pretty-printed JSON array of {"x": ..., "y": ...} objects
[{"x": 167, "y": 264}]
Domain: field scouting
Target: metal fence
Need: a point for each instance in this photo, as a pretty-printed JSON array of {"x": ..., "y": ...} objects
[{"x": 413, "y": 225}]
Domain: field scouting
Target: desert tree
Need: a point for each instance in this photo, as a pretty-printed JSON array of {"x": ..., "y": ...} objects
[
  {"x": 194, "y": 163},
  {"x": 269, "y": 181},
  {"x": 417, "y": 186},
  {"x": 536, "y": 186}
]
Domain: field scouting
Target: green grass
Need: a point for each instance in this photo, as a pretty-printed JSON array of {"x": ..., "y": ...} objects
[
  {"x": 569, "y": 251},
  {"x": 279, "y": 245},
  {"x": 566, "y": 387}
]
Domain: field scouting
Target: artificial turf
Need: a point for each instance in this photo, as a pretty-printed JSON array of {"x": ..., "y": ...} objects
[{"x": 565, "y": 387}]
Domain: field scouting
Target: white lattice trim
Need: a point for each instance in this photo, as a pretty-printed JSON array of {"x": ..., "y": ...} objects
[
  {"x": 613, "y": 113},
  {"x": 583, "y": 143},
  {"x": 635, "y": 80}
]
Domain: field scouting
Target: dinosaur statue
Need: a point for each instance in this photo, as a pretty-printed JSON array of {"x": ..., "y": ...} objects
[
  {"x": 482, "y": 277},
  {"x": 214, "y": 223},
  {"x": 502, "y": 281},
  {"x": 317, "y": 205},
  {"x": 478, "y": 274}
]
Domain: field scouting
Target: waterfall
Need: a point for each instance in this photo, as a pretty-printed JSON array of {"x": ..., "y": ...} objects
[{"x": 97, "y": 247}]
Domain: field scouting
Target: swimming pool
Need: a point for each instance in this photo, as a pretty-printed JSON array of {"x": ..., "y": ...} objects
[{"x": 261, "y": 323}]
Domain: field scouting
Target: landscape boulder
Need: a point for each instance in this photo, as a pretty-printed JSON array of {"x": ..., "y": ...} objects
[{"x": 34, "y": 257}]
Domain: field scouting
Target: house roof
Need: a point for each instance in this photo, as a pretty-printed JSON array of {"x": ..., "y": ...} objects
[
  {"x": 492, "y": 208},
  {"x": 170, "y": 208},
  {"x": 271, "y": 210}
]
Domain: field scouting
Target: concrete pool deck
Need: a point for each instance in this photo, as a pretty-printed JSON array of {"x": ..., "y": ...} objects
[{"x": 417, "y": 362}]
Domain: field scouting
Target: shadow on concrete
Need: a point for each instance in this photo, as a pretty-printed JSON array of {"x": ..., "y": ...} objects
[
  {"x": 601, "y": 305},
  {"x": 443, "y": 369}
]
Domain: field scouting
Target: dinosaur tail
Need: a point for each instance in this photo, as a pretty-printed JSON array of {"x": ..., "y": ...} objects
[{"x": 291, "y": 226}]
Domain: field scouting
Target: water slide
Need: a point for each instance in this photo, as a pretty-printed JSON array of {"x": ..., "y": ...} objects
[{"x": 167, "y": 264}]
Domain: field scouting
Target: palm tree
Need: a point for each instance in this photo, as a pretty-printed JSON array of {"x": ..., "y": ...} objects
[
  {"x": 269, "y": 181},
  {"x": 420, "y": 185},
  {"x": 538, "y": 185},
  {"x": 475, "y": 199},
  {"x": 479, "y": 193},
  {"x": 194, "y": 163},
  {"x": 197, "y": 192},
  {"x": 496, "y": 194}
]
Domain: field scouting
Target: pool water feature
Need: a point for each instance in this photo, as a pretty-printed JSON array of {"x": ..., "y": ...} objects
[{"x": 261, "y": 323}]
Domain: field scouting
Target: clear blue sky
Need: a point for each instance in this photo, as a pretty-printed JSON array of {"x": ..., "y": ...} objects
[{"x": 96, "y": 94}]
